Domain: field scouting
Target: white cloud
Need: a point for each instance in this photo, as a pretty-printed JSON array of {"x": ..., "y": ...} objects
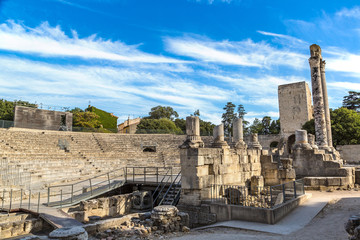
[
  {"x": 129, "y": 91},
  {"x": 243, "y": 53},
  {"x": 53, "y": 42},
  {"x": 350, "y": 13},
  {"x": 348, "y": 86}
]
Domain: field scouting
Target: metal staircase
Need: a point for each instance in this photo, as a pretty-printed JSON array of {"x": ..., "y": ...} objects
[{"x": 172, "y": 195}]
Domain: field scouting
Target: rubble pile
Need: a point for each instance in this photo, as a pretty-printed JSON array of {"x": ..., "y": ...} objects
[
  {"x": 162, "y": 220},
  {"x": 352, "y": 227}
]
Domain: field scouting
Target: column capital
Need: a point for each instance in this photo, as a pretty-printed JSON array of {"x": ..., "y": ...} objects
[{"x": 322, "y": 65}]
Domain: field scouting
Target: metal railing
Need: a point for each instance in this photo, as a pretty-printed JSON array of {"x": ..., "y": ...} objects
[
  {"x": 261, "y": 197},
  {"x": 69, "y": 194},
  {"x": 19, "y": 199},
  {"x": 148, "y": 174},
  {"x": 6, "y": 124},
  {"x": 173, "y": 185}
]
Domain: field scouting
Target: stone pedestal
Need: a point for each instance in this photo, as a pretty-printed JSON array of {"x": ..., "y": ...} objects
[
  {"x": 193, "y": 139},
  {"x": 219, "y": 140},
  {"x": 301, "y": 140},
  {"x": 254, "y": 144}
]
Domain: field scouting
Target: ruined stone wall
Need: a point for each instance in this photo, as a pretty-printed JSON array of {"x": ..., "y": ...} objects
[
  {"x": 103, "y": 207},
  {"x": 350, "y": 153},
  {"x": 201, "y": 167},
  {"x": 265, "y": 140},
  {"x": 294, "y": 106},
  {"x": 34, "y": 118}
]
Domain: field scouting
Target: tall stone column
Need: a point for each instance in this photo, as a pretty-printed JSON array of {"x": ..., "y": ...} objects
[
  {"x": 318, "y": 97},
  {"x": 193, "y": 139},
  {"x": 326, "y": 103},
  {"x": 238, "y": 133}
]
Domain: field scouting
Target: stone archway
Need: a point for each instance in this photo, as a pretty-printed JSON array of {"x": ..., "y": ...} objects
[{"x": 290, "y": 143}]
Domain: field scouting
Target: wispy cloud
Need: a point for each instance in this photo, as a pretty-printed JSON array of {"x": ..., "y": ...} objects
[
  {"x": 350, "y": 13},
  {"x": 133, "y": 88},
  {"x": 243, "y": 53},
  {"x": 53, "y": 42}
]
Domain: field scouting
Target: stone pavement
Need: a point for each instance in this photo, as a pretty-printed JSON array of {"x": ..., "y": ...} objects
[{"x": 296, "y": 220}]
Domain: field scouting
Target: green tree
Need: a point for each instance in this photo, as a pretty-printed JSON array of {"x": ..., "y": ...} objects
[
  {"x": 345, "y": 126},
  {"x": 256, "y": 126},
  {"x": 7, "y": 108},
  {"x": 86, "y": 120},
  {"x": 159, "y": 112},
  {"x": 162, "y": 125},
  {"x": 241, "y": 111},
  {"x": 309, "y": 126},
  {"x": 275, "y": 127},
  {"x": 76, "y": 109},
  {"x": 206, "y": 128},
  {"x": 265, "y": 126},
  {"x": 266, "y": 123},
  {"x": 228, "y": 118},
  {"x": 181, "y": 123},
  {"x": 352, "y": 101},
  {"x": 197, "y": 113}
]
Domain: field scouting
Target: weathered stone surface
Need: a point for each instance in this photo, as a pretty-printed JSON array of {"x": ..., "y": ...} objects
[
  {"x": 218, "y": 133},
  {"x": 75, "y": 233},
  {"x": 295, "y": 107},
  {"x": 318, "y": 97},
  {"x": 193, "y": 139}
]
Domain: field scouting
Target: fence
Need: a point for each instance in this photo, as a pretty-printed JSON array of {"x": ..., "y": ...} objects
[
  {"x": 69, "y": 194},
  {"x": 11, "y": 175},
  {"x": 16, "y": 199},
  {"x": 261, "y": 197},
  {"x": 6, "y": 124}
]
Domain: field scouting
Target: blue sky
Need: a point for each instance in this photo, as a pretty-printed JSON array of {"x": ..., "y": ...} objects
[{"x": 126, "y": 56}]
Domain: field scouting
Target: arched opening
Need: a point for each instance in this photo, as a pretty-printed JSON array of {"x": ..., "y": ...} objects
[
  {"x": 274, "y": 144},
  {"x": 149, "y": 149},
  {"x": 290, "y": 143}
]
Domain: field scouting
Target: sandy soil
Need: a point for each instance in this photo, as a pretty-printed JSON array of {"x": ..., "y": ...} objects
[{"x": 328, "y": 224}]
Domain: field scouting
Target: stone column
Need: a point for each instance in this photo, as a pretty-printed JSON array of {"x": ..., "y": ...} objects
[
  {"x": 255, "y": 142},
  {"x": 301, "y": 140},
  {"x": 318, "y": 97},
  {"x": 218, "y": 133},
  {"x": 193, "y": 139},
  {"x": 326, "y": 103},
  {"x": 238, "y": 134}
]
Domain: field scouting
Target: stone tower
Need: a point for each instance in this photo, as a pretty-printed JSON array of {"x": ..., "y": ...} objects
[{"x": 294, "y": 107}]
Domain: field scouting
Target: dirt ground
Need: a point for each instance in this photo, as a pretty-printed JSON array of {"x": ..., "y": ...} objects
[{"x": 328, "y": 224}]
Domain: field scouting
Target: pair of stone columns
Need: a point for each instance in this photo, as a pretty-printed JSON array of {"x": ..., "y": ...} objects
[
  {"x": 238, "y": 135},
  {"x": 320, "y": 99}
]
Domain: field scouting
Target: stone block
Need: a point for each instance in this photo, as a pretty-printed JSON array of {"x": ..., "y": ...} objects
[
  {"x": 202, "y": 170},
  {"x": 334, "y": 181}
]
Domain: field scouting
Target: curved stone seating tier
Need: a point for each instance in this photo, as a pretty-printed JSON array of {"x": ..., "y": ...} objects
[{"x": 38, "y": 152}]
